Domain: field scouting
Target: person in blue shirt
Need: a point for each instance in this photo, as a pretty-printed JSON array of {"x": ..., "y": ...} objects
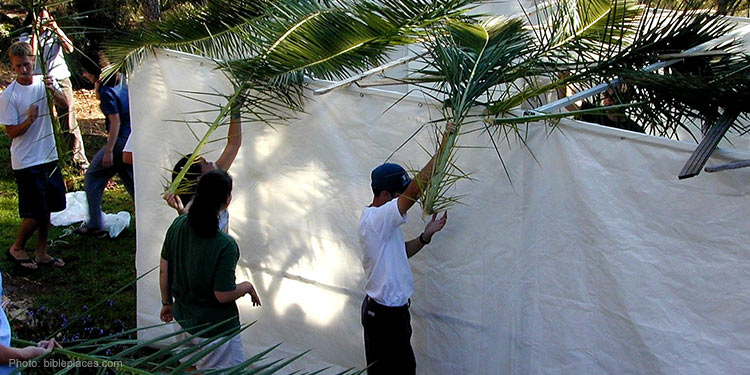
[{"x": 114, "y": 103}]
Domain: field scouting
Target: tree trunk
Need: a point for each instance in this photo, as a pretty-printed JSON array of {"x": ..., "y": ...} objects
[{"x": 153, "y": 9}]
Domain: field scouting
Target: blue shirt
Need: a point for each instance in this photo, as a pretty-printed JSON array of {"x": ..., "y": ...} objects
[{"x": 114, "y": 100}]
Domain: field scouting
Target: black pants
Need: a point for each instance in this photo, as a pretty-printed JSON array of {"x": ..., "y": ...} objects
[{"x": 387, "y": 339}]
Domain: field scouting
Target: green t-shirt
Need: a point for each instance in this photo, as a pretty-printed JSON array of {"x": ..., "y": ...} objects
[{"x": 198, "y": 266}]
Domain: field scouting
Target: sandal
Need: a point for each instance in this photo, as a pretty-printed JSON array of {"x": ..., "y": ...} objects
[
  {"x": 20, "y": 262},
  {"x": 53, "y": 262},
  {"x": 86, "y": 231}
]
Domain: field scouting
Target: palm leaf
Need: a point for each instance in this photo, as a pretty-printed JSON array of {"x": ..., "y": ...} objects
[
  {"x": 285, "y": 40},
  {"x": 211, "y": 30},
  {"x": 469, "y": 59},
  {"x": 333, "y": 41}
]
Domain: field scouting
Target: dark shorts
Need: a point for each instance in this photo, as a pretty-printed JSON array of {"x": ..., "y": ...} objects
[
  {"x": 387, "y": 339},
  {"x": 41, "y": 190}
]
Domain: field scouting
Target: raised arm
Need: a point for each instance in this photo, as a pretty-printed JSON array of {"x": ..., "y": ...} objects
[
  {"x": 65, "y": 42},
  {"x": 412, "y": 192},
  {"x": 234, "y": 141},
  {"x": 50, "y": 23}
]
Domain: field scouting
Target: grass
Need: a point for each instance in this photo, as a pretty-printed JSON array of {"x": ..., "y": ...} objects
[{"x": 95, "y": 268}]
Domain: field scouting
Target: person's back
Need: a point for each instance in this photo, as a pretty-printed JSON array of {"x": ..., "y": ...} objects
[
  {"x": 199, "y": 266},
  {"x": 197, "y": 279},
  {"x": 389, "y": 278},
  {"x": 385, "y": 308}
]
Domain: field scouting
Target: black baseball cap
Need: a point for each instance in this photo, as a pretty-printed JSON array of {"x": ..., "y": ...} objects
[{"x": 390, "y": 177}]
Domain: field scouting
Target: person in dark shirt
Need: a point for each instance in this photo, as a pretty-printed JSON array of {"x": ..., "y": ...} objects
[
  {"x": 108, "y": 161},
  {"x": 197, "y": 275}
]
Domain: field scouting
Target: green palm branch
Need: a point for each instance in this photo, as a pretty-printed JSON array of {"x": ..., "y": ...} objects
[
  {"x": 119, "y": 353},
  {"x": 280, "y": 42},
  {"x": 33, "y": 7},
  {"x": 654, "y": 34},
  {"x": 470, "y": 59},
  {"x": 130, "y": 356},
  {"x": 596, "y": 40},
  {"x": 666, "y": 111},
  {"x": 479, "y": 67}
]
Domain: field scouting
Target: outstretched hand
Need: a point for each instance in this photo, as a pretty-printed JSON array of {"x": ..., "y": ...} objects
[
  {"x": 41, "y": 348},
  {"x": 48, "y": 345},
  {"x": 434, "y": 226},
  {"x": 250, "y": 289}
]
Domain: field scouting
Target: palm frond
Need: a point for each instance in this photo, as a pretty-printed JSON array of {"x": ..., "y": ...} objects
[
  {"x": 282, "y": 41},
  {"x": 211, "y": 30},
  {"x": 332, "y": 41},
  {"x": 469, "y": 59}
]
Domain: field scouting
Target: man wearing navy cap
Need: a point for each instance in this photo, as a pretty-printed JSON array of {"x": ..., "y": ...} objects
[{"x": 385, "y": 310}]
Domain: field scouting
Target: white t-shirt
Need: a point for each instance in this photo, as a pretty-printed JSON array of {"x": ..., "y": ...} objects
[
  {"x": 53, "y": 54},
  {"x": 389, "y": 279},
  {"x": 37, "y": 145}
]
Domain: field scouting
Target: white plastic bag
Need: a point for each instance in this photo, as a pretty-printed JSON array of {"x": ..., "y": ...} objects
[
  {"x": 115, "y": 223},
  {"x": 77, "y": 210}
]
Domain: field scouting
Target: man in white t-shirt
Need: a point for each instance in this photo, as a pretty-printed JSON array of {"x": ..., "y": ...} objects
[
  {"x": 33, "y": 155},
  {"x": 385, "y": 310},
  {"x": 54, "y": 42}
]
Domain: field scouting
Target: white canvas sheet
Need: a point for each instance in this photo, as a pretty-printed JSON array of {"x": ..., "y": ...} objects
[{"x": 595, "y": 259}]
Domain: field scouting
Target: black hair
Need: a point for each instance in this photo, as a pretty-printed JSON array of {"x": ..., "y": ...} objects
[
  {"x": 189, "y": 182},
  {"x": 95, "y": 63},
  {"x": 377, "y": 191},
  {"x": 27, "y": 21},
  {"x": 214, "y": 188}
]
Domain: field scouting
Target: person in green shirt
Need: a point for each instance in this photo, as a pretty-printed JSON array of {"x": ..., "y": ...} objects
[{"x": 197, "y": 273}]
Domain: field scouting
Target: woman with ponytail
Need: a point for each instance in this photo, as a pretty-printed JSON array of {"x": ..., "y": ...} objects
[{"x": 197, "y": 274}]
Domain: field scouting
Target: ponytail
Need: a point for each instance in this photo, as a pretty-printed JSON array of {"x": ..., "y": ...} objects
[{"x": 214, "y": 188}]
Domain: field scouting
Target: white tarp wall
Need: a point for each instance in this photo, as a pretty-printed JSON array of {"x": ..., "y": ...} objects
[{"x": 595, "y": 260}]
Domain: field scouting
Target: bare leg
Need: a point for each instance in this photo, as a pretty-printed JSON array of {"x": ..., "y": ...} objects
[
  {"x": 41, "y": 244},
  {"x": 18, "y": 249}
]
